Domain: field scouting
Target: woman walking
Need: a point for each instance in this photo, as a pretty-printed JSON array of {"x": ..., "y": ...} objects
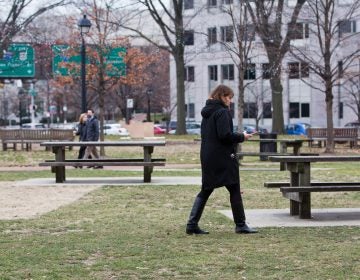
[
  {"x": 219, "y": 166},
  {"x": 81, "y": 131}
]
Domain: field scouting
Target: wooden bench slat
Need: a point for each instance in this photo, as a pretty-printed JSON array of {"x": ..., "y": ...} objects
[
  {"x": 287, "y": 184},
  {"x": 103, "y": 163},
  {"x": 111, "y": 160},
  {"x": 321, "y": 189}
]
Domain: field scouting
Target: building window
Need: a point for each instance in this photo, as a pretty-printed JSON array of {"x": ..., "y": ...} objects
[
  {"x": 347, "y": 26},
  {"x": 247, "y": 31},
  {"x": 227, "y": 72},
  {"x": 232, "y": 109},
  {"x": 298, "y": 70},
  {"x": 213, "y": 73},
  {"x": 227, "y": 2},
  {"x": 298, "y": 30},
  {"x": 227, "y": 33},
  {"x": 212, "y": 3},
  {"x": 189, "y": 37},
  {"x": 250, "y": 72},
  {"x": 299, "y": 109},
  {"x": 212, "y": 38},
  {"x": 305, "y": 110},
  {"x": 341, "y": 110},
  {"x": 294, "y": 110},
  {"x": 267, "y": 113},
  {"x": 250, "y": 110},
  {"x": 190, "y": 73},
  {"x": 188, "y": 4},
  {"x": 266, "y": 73},
  {"x": 340, "y": 69},
  {"x": 190, "y": 110}
]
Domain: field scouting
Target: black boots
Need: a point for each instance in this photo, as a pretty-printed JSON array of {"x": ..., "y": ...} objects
[
  {"x": 239, "y": 218},
  {"x": 195, "y": 215}
]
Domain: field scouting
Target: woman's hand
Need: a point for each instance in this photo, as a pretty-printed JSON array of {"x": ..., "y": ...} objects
[{"x": 248, "y": 135}]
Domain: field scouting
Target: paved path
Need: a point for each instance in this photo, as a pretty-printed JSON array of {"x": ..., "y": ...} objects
[
  {"x": 33, "y": 197},
  {"x": 326, "y": 217}
]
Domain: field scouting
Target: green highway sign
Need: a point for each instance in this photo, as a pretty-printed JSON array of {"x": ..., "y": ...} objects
[
  {"x": 114, "y": 60},
  {"x": 64, "y": 56},
  {"x": 18, "y": 62}
]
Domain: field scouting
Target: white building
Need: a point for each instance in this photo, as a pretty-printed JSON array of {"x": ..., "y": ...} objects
[{"x": 208, "y": 63}]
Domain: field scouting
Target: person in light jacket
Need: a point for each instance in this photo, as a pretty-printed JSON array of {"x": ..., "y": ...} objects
[{"x": 219, "y": 164}]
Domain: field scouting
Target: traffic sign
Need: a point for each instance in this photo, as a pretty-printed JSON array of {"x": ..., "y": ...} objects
[
  {"x": 114, "y": 60},
  {"x": 64, "y": 56},
  {"x": 18, "y": 62}
]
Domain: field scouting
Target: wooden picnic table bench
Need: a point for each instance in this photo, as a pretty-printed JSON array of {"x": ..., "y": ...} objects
[
  {"x": 343, "y": 134},
  {"x": 58, "y": 165},
  {"x": 295, "y": 144},
  {"x": 27, "y": 137},
  {"x": 300, "y": 186}
]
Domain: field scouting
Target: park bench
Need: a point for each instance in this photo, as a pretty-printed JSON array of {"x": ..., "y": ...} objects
[
  {"x": 272, "y": 185},
  {"x": 298, "y": 190},
  {"x": 147, "y": 162},
  {"x": 345, "y": 134},
  {"x": 27, "y": 137}
]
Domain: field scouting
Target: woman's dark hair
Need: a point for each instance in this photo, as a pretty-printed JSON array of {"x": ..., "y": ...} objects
[{"x": 221, "y": 91}]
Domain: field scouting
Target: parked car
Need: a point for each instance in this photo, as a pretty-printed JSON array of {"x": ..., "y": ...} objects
[
  {"x": 297, "y": 128},
  {"x": 159, "y": 130},
  {"x": 191, "y": 128},
  {"x": 353, "y": 124},
  {"x": 32, "y": 125},
  {"x": 249, "y": 128},
  {"x": 115, "y": 129}
]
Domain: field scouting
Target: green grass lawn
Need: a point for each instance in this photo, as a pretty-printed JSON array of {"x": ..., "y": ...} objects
[
  {"x": 132, "y": 232},
  {"x": 138, "y": 233}
]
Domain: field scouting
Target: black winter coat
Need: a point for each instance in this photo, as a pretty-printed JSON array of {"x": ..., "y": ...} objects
[
  {"x": 81, "y": 131},
  {"x": 92, "y": 129},
  {"x": 218, "y": 142}
]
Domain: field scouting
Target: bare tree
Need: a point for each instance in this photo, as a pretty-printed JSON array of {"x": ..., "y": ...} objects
[
  {"x": 268, "y": 18},
  {"x": 352, "y": 97},
  {"x": 239, "y": 50},
  {"x": 16, "y": 15},
  {"x": 171, "y": 23},
  {"x": 331, "y": 53}
]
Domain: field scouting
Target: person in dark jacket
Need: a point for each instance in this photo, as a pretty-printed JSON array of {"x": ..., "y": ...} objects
[
  {"x": 92, "y": 134},
  {"x": 219, "y": 166},
  {"x": 81, "y": 131}
]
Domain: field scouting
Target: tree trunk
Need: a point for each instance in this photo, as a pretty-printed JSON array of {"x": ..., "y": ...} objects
[
  {"x": 180, "y": 93},
  {"x": 277, "y": 104},
  {"x": 330, "y": 144}
]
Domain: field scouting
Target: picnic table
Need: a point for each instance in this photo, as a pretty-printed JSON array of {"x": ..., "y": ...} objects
[
  {"x": 300, "y": 187},
  {"x": 295, "y": 144},
  {"x": 59, "y": 148}
]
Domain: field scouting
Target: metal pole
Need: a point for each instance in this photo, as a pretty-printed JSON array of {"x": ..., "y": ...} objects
[
  {"x": 148, "y": 117},
  {"x": 83, "y": 75}
]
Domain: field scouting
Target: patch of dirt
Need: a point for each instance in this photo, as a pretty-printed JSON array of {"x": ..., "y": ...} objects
[{"x": 27, "y": 202}]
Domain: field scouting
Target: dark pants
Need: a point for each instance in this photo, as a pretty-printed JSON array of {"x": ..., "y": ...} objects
[
  {"x": 81, "y": 152},
  {"x": 234, "y": 191}
]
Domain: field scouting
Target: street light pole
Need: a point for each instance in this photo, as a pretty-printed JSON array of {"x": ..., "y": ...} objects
[
  {"x": 149, "y": 93},
  {"x": 84, "y": 25}
]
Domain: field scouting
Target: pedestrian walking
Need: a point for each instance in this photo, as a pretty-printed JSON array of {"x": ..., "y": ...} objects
[
  {"x": 219, "y": 165},
  {"x": 81, "y": 132},
  {"x": 92, "y": 134}
]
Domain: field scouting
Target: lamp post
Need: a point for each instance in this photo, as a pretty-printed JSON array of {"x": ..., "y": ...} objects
[
  {"x": 149, "y": 92},
  {"x": 84, "y": 26}
]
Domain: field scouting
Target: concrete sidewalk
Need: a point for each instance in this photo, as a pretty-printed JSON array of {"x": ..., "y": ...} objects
[
  {"x": 325, "y": 217},
  {"x": 106, "y": 181},
  {"x": 256, "y": 217}
]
